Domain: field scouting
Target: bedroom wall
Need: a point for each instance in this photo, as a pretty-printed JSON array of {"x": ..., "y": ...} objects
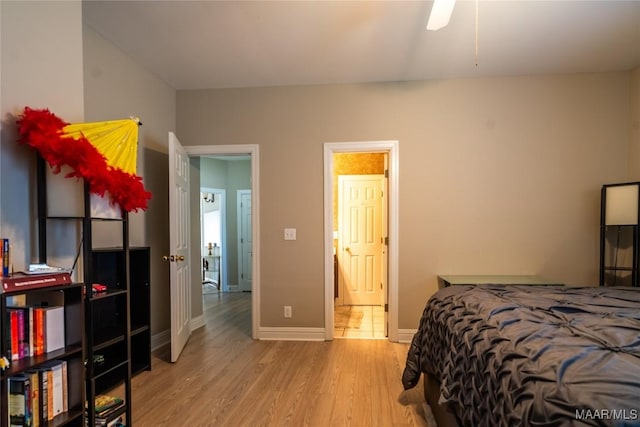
[
  {"x": 116, "y": 87},
  {"x": 41, "y": 63},
  {"x": 497, "y": 175},
  {"x": 634, "y": 142}
]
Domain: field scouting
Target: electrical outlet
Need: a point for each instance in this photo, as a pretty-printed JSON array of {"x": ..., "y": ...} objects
[
  {"x": 287, "y": 311},
  {"x": 289, "y": 234}
]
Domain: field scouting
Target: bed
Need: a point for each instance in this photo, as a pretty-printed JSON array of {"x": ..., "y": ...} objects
[{"x": 500, "y": 355}]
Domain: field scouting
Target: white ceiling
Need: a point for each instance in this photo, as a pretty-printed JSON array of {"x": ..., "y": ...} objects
[{"x": 221, "y": 44}]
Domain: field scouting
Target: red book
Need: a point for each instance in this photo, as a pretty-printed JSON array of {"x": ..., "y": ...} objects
[
  {"x": 21, "y": 281},
  {"x": 38, "y": 332},
  {"x": 22, "y": 340},
  {"x": 15, "y": 349}
]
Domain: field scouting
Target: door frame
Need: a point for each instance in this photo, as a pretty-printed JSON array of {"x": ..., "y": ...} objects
[
  {"x": 252, "y": 151},
  {"x": 392, "y": 148}
]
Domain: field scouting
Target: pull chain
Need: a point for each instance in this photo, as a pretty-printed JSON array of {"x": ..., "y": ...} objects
[{"x": 477, "y": 33}]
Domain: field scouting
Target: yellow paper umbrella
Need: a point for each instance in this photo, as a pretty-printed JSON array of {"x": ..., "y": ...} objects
[{"x": 117, "y": 140}]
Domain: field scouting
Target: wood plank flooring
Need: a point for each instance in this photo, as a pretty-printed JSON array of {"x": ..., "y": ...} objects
[{"x": 224, "y": 378}]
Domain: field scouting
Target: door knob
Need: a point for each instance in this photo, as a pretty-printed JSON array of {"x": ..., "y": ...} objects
[
  {"x": 169, "y": 258},
  {"x": 180, "y": 258}
]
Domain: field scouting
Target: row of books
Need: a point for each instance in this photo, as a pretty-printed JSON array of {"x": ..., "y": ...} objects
[
  {"x": 38, "y": 395},
  {"x": 109, "y": 411},
  {"x": 33, "y": 330}
]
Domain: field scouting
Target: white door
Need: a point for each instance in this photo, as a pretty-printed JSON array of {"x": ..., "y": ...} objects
[
  {"x": 180, "y": 272},
  {"x": 360, "y": 219},
  {"x": 245, "y": 241}
]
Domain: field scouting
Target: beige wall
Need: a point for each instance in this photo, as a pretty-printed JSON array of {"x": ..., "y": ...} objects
[
  {"x": 497, "y": 175},
  {"x": 41, "y": 61},
  {"x": 634, "y": 142},
  {"x": 116, "y": 87}
]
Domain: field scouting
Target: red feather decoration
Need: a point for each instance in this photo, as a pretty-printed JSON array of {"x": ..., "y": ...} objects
[{"x": 43, "y": 131}]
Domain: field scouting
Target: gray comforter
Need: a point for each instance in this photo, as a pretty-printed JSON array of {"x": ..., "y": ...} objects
[{"x": 532, "y": 355}]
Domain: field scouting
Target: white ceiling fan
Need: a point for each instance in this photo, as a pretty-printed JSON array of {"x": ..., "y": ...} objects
[{"x": 440, "y": 14}]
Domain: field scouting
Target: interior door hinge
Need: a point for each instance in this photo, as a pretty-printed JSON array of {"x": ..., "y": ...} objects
[
  {"x": 386, "y": 173},
  {"x": 386, "y": 241},
  {"x": 386, "y": 308}
]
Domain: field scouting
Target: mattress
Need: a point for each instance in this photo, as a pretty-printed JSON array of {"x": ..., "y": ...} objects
[{"x": 532, "y": 355}]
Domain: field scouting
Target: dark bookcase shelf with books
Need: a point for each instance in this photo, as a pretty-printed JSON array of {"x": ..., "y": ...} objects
[
  {"x": 100, "y": 328},
  {"x": 36, "y": 371}
]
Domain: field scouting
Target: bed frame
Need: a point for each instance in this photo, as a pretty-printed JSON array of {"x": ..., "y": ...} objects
[{"x": 443, "y": 417}]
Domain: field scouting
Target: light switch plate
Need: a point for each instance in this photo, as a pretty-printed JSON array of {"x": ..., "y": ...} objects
[{"x": 289, "y": 234}]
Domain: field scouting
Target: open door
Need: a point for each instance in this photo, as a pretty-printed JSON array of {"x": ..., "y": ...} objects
[{"x": 180, "y": 272}]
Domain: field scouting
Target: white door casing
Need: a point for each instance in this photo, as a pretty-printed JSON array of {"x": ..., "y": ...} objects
[
  {"x": 360, "y": 247},
  {"x": 245, "y": 241},
  {"x": 179, "y": 233},
  {"x": 385, "y": 257}
]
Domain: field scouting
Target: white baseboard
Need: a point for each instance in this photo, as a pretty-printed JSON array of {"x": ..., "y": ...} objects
[
  {"x": 274, "y": 334},
  {"x": 291, "y": 334},
  {"x": 164, "y": 338},
  {"x": 160, "y": 339},
  {"x": 406, "y": 335},
  {"x": 197, "y": 322}
]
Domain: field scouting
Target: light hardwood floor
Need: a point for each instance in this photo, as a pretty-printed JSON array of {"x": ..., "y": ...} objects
[{"x": 224, "y": 378}]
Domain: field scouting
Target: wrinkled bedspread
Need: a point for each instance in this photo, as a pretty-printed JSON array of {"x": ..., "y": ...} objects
[{"x": 532, "y": 355}]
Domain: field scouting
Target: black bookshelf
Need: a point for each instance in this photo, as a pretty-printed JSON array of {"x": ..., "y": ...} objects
[
  {"x": 109, "y": 269},
  {"x": 619, "y": 234},
  {"x": 106, "y": 318}
]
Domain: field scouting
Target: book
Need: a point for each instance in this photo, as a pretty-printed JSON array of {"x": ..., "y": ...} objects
[
  {"x": 104, "y": 402},
  {"x": 13, "y": 326},
  {"x": 25, "y": 330},
  {"x": 65, "y": 385},
  {"x": 36, "y": 414},
  {"x": 53, "y": 328},
  {"x": 6, "y": 260},
  {"x": 43, "y": 379},
  {"x": 19, "y": 401},
  {"x": 16, "y": 323},
  {"x": 47, "y": 392},
  {"x": 38, "y": 331},
  {"x": 56, "y": 387},
  {"x": 110, "y": 413},
  {"x": 22, "y": 281},
  {"x": 45, "y": 269}
]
